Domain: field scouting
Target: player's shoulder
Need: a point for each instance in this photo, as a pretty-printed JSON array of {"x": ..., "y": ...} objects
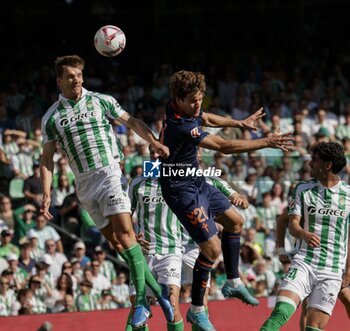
[
  {"x": 99, "y": 95},
  {"x": 140, "y": 181},
  {"x": 344, "y": 186},
  {"x": 305, "y": 185},
  {"x": 51, "y": 111}
]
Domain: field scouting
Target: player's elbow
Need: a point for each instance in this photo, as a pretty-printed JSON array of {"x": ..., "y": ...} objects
[{"x": 226, "y": 148}]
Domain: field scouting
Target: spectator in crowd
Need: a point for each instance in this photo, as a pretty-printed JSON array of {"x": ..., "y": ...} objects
[
  {"x": 32, "y": 188},
  {"x": 22, "y": 162},
  {"x": 33, "y": 239},
  {"x": 268, "y": 215},
  {"x": 80, "y": 254},
  {"x": 62, "y": 169},
  {"x": 99, "y": 281},
  {"x": 24, "y": 221},
  {"x": 64, "y": 286},
  {"x": 7, "y": 298},
  {"x": 107, "y": 268},
  {"x": 6, "y": 246},
  {"x": 59, "y": 193},
  {"x": 25, "y": 261},
  {"x": 37, "y": 301},
  {"x": 67, "y": 268},
  {"x": 22, "y": 304},
  {"x": 69, "y": 304},
  {"x": 58, "y": 258},
  {"x": 77, "y": 268},
  {"x": 107, "y": 301},
  {"x": 46, "y": 232},
  {"x": 85, "y": 301},
  {"x": 120, "y": 291},
  {"x": 6, "y": 211},
  {"x": 19, "y": 278}
]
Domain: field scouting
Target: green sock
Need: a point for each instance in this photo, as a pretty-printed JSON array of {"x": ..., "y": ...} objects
[
  {"x": 178, "y": 326},
  {"x": 197, "y": 328},
  {"x": 149, "y": 277},
  {"x": 135, "y": 261},
  {"x": 310, "y": 328},
  {"x": 279, "y": 316},
  {"x": 143, "y": 328},
  {"x": 128, "y": 326}
]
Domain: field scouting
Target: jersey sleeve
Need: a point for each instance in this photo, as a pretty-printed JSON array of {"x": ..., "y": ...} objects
[
  {"x": 295, "y": 203},
  {"x": 113, "y": 109},
  {"x": 48, "y": 129},
  {"x": 223, "y": 186}
]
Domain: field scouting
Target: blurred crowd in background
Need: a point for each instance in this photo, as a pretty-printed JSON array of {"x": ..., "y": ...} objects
[{"x": 66, "y": 265}]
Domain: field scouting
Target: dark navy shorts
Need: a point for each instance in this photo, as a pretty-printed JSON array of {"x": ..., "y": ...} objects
[{"x": 196, "y": 204}]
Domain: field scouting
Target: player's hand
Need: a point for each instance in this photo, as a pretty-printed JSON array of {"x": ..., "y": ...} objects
[
  {"x": 251, "y": 121},
  {"x": 283, "y": 256},
  {"x": 312, "y": 239},
  {"x": 161, "y": 149},
  {"x": 44, "y": 209},
  {"x": 143, "y": 242},
  {"x": 278, "y": 140},
  {"x": 239, "y": 200}
]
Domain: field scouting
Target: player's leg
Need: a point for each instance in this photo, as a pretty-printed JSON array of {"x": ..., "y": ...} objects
[
  {"x": 150, "y": 280},
  {"x": 188, "y": 261},
  {"x": 303, "y": 315},
  {"x": 316, "y": 320},
  {"x": 168, "y": 270},
  {"x": 322, "y": 300},
  {"x": 286, "y": 304},
  {"x": 232, "y": 224},
  {"x": 344, "y": 297},
  {"x": 295, "y": 287}
]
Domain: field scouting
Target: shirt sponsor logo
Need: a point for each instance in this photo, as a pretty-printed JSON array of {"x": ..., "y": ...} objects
[
  {"x": 65, "y": 121},
  {"x": 113, "y": 201},
  {"x": 195, "y": 132},
  {"x": 311, "y": 210},
  {"x": 172, "y": 273},
  {"x": 156, "y": 199}
]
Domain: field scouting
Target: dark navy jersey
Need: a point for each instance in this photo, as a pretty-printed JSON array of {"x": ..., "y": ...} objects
[{"x": 182, "y": 135}]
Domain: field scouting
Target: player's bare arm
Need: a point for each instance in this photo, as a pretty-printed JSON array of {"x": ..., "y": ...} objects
[
  {"x": 144, "y": 132},
  {"x": 46, "y": 170},
  {"x": 298, "y": 232},
  {"x": 281, "y": 226},
  {"x": 275, "y": 140},
  {"x": 250, "y": 122}
]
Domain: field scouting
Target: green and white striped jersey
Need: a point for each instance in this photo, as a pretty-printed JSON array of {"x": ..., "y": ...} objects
[
  {"x": 155, "y": 219},
  {"x": 325, "y": 212},
  {"x": 83, "y": 130}
]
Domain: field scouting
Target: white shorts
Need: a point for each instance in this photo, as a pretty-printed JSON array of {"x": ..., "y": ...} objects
[
  {"x": 188, "y": 261},
  {"x": 321, "y": 287},
  {"x": 166, "y": 269},
  {"x": 102, "y": 193}
]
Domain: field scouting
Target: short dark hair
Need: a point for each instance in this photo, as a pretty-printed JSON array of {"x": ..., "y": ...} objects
[
  {"x": 331, "y": 151},
  {"x": 70, "y": 61},
  {"x": 186, "y": 83}
]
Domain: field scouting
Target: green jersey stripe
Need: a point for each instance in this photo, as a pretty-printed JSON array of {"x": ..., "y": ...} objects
[
  {"x": 325, "y": 231},
  {"x": 312, "y": 224},
  {"x": 335, "y": 265},
  {"x": 169, "y": 224},
  {"x": 146, "y": 213},
  {"x": 71, "y": 146},
  {"x": 86, "y": 146},
  {"x": 157, "y": 227}
]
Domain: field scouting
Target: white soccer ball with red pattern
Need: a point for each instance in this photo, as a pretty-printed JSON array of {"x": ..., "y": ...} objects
[{"x": 110, "y": 40}]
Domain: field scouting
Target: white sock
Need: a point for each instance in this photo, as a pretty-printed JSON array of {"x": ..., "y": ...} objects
[
  {"x": 234, "y": 282},
  {"x": 197, "y": 309}
]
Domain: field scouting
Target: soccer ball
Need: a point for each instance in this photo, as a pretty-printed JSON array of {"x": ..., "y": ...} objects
[{"x": 109, "y": 40}]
